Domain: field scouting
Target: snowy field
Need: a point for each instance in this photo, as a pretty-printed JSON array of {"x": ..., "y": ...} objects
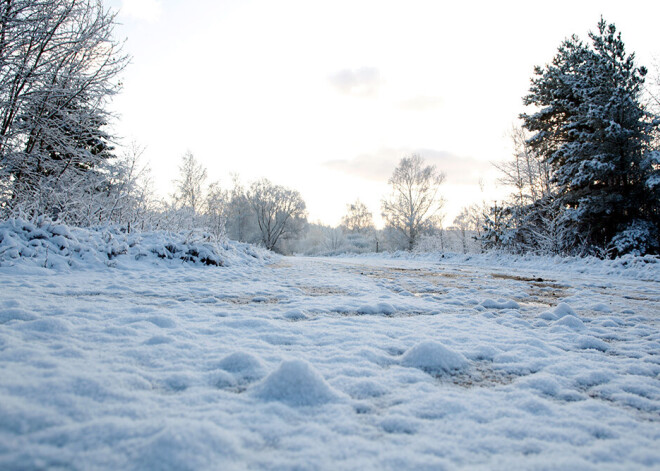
[{"x": 330, "y": 363}]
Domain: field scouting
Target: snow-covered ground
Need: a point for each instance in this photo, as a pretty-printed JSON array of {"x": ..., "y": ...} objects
[{"x": 475, "y": 362}]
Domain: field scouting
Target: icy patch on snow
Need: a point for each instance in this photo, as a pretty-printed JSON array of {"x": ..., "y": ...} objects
[
  {"x": 435, "y": 358},
  {"x": 296, "y": 383}
]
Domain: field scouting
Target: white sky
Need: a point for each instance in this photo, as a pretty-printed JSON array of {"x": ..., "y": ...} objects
[{"x": 327, "y": 96}]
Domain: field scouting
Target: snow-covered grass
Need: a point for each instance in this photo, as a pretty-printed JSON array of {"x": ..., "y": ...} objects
[{"x": 481, "y": 362}]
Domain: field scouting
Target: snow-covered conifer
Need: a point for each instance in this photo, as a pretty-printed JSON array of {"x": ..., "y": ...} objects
[{"x": 594, "y": 131}]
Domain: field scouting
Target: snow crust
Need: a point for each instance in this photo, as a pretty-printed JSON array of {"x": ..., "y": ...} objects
[{"x": 324, "y": 363}]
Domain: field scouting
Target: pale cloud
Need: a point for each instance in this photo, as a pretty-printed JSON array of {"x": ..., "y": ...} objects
[
  {"x": 421, "y": 103},
  {"x": 362, "y": 82},
  {"x": 148, "y": 10},
  {"x": 378, "y": 166}
]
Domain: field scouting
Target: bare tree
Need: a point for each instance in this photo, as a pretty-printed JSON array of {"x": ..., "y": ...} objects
[
  {"x": 240, "y": 224},
  {"x": 527, "y": 172},
  {"x": 279, "y": 211},
  {"x": 652, "y": 87},
  {"x": 358, "y": 218},
  {"x": 462, "y": 224},
  {"x": 215, "y": 209},
  {"x": 334, "y": 239},
  {"x": 132, "y": 195},
  {"x": 469, "y": 224},
  {"x": 414, "y": 201},
  {"x": 189, "y": 195}
]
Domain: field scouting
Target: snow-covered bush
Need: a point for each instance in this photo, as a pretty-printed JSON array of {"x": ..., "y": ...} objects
[
  {"x": 638, "y": 238},
  {"x": 49, "y": 244}
]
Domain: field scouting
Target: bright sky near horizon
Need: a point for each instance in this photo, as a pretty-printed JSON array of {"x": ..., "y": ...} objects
[{"x": 327, "y": 96}]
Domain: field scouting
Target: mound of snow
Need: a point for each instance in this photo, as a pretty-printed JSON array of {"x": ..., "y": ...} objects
[
  {"x": 561, "y": 310},
  {"x": 500, "y": 304},
  {"x": 46, "y": 244},
  {"x": 295, "y": 315},
  {"x": 571, "y": 322},
  {"x": 378, "y": 308},
  {"x": 185, "y": 444},
  {"x": 364, "y": 389},
  {"x": 588, "y": 342},
  {"x": 296, "y": 383},
  {"x": 434, "y": 357},
  {"x": 7, "y": 315},
  {"x": 601, "y": 307},
  {"x": 244, "y": 366}
]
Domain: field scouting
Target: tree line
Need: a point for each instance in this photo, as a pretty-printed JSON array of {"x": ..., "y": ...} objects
[
  {"x": 275, "y": 216},
  {"x": 585, "y": 172}
]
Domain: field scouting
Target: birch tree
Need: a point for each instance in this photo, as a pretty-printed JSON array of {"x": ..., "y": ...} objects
[
  {"x": 415, "y": 201},
  {"x": 358, "y": 219}
]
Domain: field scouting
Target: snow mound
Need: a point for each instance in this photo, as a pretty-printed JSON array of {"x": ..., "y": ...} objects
[
  {"x": 434, "y": 358},
  {"x": 43, "y": 243},
  {"x": 365, "y": 389},
  {"x": 7, "y": 315},
  {"x": 244, "y": 366},
  {"x": 601, "y": 307},
  {"x": 587, "y": 342},
  {"x": 295, "y": 315},
  {"x": 500, "y": 304},
  {"x": 571, "y": 322},
  {"x": 561, "y": 310},
  {"x": 186, "y": 444},
  {"x": 296, "y": 383},
  {"x": 378, "y": 308}
]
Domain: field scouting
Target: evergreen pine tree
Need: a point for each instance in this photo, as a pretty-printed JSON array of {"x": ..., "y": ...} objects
[{"x": 595, "y": 133}]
